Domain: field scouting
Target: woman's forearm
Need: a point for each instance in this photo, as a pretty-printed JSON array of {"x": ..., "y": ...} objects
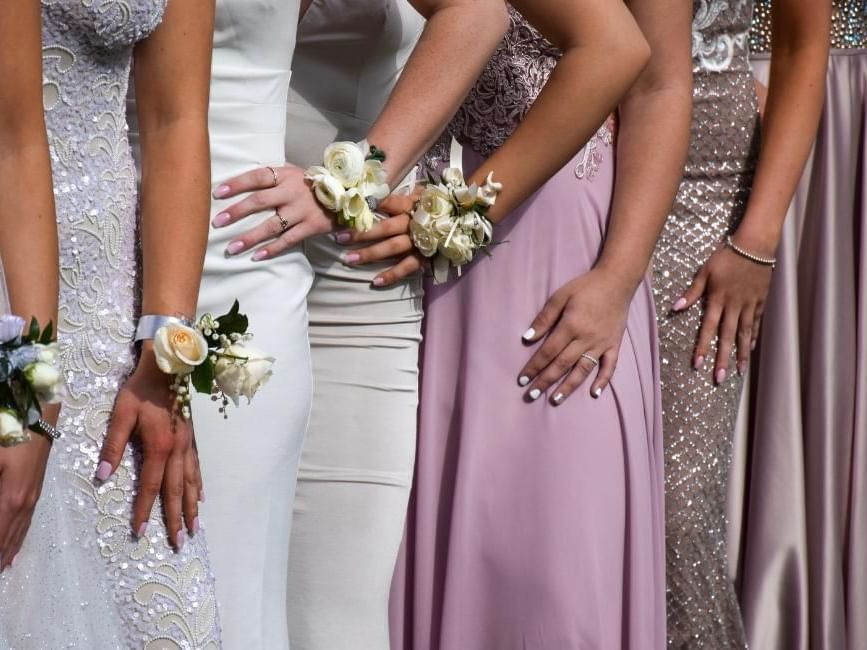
[
  {"x": 599, "y": 64},
  {"x": 652, "y": 141},
  {"x": 457, "y": 42},
  {"x": 28, "y": 229},
  {"x": 799, "y": 59},
  {"x": 172, "y": 76}
]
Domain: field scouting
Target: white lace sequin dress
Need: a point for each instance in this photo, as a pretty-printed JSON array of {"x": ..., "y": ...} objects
[{"x": 81, "y": 579}]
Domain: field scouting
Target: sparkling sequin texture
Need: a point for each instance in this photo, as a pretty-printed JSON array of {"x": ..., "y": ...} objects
[
  {"x": 699, "y": 417},
  {"x": 81, "y": 579},
  {"x": 848, "y": 26},
  {"x": 504, "y": 93}
]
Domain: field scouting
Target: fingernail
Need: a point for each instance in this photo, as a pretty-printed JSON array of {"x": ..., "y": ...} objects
[
  {"x": 523, "y": 380},
  {"x": 378, "y": 282},
  {"x": 235, "y": 247},
  {"x": 535, "y": 394},
  {"x": 721, "y": 375},
  {"x": 221, "y": 191},
  {"x": 742, "y": 368},
  {"x": 558, "y": 398},
  {"x": 103, "y": 471},
  {"x": 698, "y": 363},
  {"x": 343, "y": 237},
  {"x": 142, "y": 530},
  {"x": 680, "y": 304},
  {"x": 753, "y": 345},
  {"x": 597, "y": 392},
  {"x": 202, "y": 496},
  {"x": 258, "y": 256},
  {"x": 221, "y": 220},
  {"x": 529, "y": 335},
  {"x": 180, "y": 540},
  {"x": 12, "y": 563},
  {"x": 351, "y": 258},
  {"x": 195, "y": 530}
]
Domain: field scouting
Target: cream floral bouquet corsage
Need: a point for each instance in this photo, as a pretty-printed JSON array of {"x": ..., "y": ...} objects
[
  {"x": 212, "y": 357},
  {"x": 350, "y": 182}
]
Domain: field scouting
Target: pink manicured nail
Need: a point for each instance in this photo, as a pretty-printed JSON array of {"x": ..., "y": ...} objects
[
  {"x": 698, "y": 363},
  {"x": 235, "y": 247},
  {"x": 221, "y": 191},
  {"x": 558, "y": 399},
  {"x": 180, "y": 540},
  {"x": 195, "y": 530},
  {"x": 142, "y": 530},
  {"x": 351, "y": 258},
  {"x": 103, "y": 471},
  {"x": 378, "y": 282},
  {"x": 258, "y": 256},
  {"x": 680, "y": 304},
  {"x": 221, "y": 220},
  {"x": 202, "y": 496},
  {"x": 742, "y": 368},
  {"x": 721, "y": 375},
  {"x": 12, "y": 563},
  {"x": 343, "y": 237}
]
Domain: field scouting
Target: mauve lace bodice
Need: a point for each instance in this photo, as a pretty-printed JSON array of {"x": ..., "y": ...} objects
[{"x": 504, "y": 93}]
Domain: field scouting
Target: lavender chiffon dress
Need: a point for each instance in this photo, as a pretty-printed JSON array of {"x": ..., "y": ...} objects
[{"x": 532, "y": 526}]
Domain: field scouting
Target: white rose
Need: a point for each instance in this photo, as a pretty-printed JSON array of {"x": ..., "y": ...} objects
[
  {"x": 179, "y": 349},
  {"x": 466, "y": 196},
  {"x": 490, "y": 190},
  {"x": 345, "y": 161},
  {"x": 436, "y": 201},
  {"x": 11, "y": 327},
  {"x": 373, "y": 180},
  {"x": 423, "y": 239},
  {"x": 453, "y": 176},
  {"x": 329, "y": 192},
  {"x": 459, "y": 250},
  {"x": 45, "y": 379},
  {"x": 47, "y": 353},
  {"x": 353, "y": 203},
  {"x": 11, "y": 429},
  {"x": 242, "y": 372}
]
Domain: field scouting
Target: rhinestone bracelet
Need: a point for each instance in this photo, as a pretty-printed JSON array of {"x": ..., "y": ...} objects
[
  {"x": 47, "y": 430},
  {"x": 763, "y": 261}
]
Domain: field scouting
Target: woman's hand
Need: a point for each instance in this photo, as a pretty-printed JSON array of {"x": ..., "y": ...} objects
[
  {"x": 587, "y": 316},
  {"x": 282, "y": 190},
  {"x": 22, "y": 470},
  {"x": 146, "y": 407},
  {"x": 735, "y": 290},
  {"x": 388, "y": 240}
]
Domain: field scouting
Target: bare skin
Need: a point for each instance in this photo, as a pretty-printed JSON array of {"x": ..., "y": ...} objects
[
  {"x": 28, "y": 243},
  {"x": 735, "y": 289},
  {"x": 172, "y": 73}
]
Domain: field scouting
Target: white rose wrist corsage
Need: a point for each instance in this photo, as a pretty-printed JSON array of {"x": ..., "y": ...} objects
[
  {"x": 350, "y": 182},
  {"x": 29, "y": 377},
  {"x": 450, "y": 223},
  {"x": 211, "y": 356}
]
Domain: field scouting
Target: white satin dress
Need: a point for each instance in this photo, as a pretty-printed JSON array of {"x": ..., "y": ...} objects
[
  {"x": 249, "y": 461},
  {"x": 357, "y": 464}
]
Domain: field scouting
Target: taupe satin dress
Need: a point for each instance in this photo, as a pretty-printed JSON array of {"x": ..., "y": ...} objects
[{"x": 698, "y": 415}]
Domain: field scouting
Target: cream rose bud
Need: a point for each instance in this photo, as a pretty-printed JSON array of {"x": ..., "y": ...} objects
[
  {"x": 489, "y": 192},
  {"x": 345, "y": 161},
  {"x": 179, "y": 349},
  {"x": 47, "y": 353},
  {"x": 436, "y": 201},
  {"x": 365, "y": 220},
  {"x": 423, "y": 239},
  {"x": 453, "y": 176},
  {"x": 373, "y": 180},
  {"x": 353, "y": 203},
  {"x": 329, "y": 192},
  {"x": 466, "y": 196},
  {"x": 45, "y": 379},
  {"x": 242, "y": 372},
  {"x": 11, "y": 429},
  {"x": 459, "y": 250}
]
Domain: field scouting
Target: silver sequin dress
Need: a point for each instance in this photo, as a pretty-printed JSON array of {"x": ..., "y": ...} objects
[
  {"x": 81, "y": 580},
  {"x": 699, "y": 417}
]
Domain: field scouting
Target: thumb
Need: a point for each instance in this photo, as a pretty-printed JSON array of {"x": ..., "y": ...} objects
[
  {"x": 693, "y": 293},
  {"x": 547, "y": 318}
]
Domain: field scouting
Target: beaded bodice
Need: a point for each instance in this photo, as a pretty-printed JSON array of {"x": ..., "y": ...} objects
[
  {"x": 504, "y": 93},
  {"x": 848, "y": 26}
]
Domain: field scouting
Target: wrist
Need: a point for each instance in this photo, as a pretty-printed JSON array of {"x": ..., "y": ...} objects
[
  {"x": 622, "y": 280},
  {"x": 758, "y": 241}
]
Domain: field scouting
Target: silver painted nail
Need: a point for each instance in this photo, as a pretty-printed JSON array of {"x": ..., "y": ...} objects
[
  {"x": 535, "y": 394},
  {"x": 529, "y": 335},
  {"x": 524, "y": 380}
]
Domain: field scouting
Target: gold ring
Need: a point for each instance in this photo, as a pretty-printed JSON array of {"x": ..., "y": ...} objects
[
  {"x": 274, "y": 173},
  {"x": 284, "y": 225},
  {"x": 591, "y": 359}
]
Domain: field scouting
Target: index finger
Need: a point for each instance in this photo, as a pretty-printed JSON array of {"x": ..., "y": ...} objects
[
  {"x": 262, "y": 178},
  {"x": 149, "y": 486}
]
